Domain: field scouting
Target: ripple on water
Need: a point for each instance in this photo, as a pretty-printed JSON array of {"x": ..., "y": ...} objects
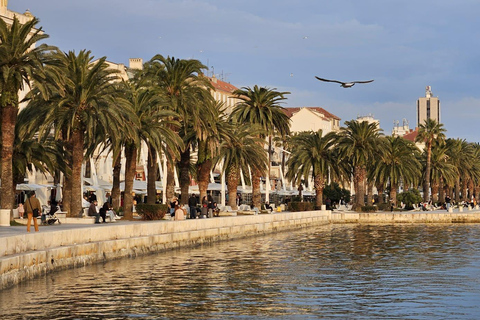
[{"x": 343, "y": 271}]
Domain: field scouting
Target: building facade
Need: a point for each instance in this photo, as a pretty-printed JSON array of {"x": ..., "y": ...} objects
[
  {"x": 312, "y": 119},
  {"x": 428, "y": 107}
]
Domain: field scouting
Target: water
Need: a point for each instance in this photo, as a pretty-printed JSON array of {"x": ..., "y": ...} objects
[{"x": 339, "y": 271}]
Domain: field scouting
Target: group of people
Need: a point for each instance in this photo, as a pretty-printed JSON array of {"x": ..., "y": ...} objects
[
  {"x": 206, "y": 209},
  {"x": 103, "y": 212}
]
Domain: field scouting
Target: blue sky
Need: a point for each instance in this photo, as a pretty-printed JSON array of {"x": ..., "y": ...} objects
[{"x": 404, "y": 45}]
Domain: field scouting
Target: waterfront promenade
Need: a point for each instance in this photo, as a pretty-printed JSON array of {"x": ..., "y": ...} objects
[{"x": 26, "y": 255}]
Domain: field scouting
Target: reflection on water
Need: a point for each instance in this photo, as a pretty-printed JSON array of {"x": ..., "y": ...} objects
[{"x": 342, "y": 271}]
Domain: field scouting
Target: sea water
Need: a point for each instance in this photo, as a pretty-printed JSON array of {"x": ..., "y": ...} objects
[{"x": 402, "y": 271}]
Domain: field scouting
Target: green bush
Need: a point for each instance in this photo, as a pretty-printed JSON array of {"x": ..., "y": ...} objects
[
  {"x": 301, "y": 206},
  {"x": 368, "y": 209},
  {"x": 383, "y": 206},
  {"x": 152, "y": 211},
  {"x": 409, "y": 198},
  {"x": 335, "y": 193}
]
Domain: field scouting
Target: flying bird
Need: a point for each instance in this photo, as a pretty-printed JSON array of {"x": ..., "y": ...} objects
[{"x": 344, "y": 84}]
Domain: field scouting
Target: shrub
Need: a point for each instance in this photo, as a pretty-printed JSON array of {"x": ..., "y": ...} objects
[
  {"x": 383, "y": 206},
  {"x": 301, "y": 206},
  {"x": 152, "y": 211},
  {"x": 409, "y": 198},
  {"x": 368, "y": 209}
]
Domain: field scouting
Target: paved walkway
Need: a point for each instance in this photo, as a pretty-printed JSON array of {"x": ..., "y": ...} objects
[{"x": 16, "y": 230}]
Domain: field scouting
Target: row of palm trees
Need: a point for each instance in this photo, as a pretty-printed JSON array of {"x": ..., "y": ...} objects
[
  {"x": 79, "y": 106},
  {"x": 360, "y": 152}
]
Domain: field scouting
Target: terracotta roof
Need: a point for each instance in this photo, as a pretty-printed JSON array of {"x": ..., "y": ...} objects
[
  {"x": 220, "y": 85},
  {"x": 291, "y": 111},
  {"x": 411, "y": 135}
]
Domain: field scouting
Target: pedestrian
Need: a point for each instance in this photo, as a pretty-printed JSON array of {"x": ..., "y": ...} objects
[
  {"x": 192, "y": 205},
  {"x": 21, "y": 210},
  {"x": 33, "y": 209}
]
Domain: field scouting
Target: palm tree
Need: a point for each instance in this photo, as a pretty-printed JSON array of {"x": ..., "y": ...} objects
[
  {"x": 442, "y": 170},
  {"x": 153, "y": 126},
  {"x": 208, "y": 145},
  {"x": 428, "y": 132},
  {"x": 185, "y": 90},
  {"x": 241, "y": 150},
  {"x": 357, "y": 142},
  {"x": 78, "y": 109},
  {"x": 260, "y": 106},
  {"x": 460, "y": 154},
  {"x": 397, "y": 162},
  {"x": 20, "y": 63},
  {"x": 312, "y": 154}
]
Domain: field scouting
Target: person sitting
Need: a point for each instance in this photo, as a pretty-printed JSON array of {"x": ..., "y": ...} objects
[
  {"x": 92, "y": 211},
  {"x": 179, "y": 213},
  {"x": 103, "y": 212},
  {"x": 268, "y": 206}
]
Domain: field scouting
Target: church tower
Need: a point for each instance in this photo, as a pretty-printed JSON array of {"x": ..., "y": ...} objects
[{"x": 428, "y": 107}]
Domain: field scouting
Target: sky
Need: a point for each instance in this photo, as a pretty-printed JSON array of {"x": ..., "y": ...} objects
[{"x": 404, "y": 45}]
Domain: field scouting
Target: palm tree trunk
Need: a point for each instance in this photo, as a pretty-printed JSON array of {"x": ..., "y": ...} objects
[
  {"x": 256, "y": 194},
  {"x": 232, "y": 183},
  {"x": 152, "y": 175},
  {"x": 464, "y": 190},
  {"x": 130, "y": 168},
  {"x": 426, "y": 182},
  {"x": 441, "y": 191},
  {"x": 380, "y": 192},
  {"x": 170, "y": 192},
  {"x": 435, "y": 188},
  {"x": 319, "y": 184},
  {"x": 9, "y": 118},
  {"x": 203, "y": 176},
  {"x": 370, "y": 193},
  {"x": 76, "y": 186},
  {"x": 393, "y": 193},
  {"x": 457, "y": 190},
  {"x": 359, "y": 181},
  {"x": 184, "y": 175},
  {"x": 117, "y": 166}
]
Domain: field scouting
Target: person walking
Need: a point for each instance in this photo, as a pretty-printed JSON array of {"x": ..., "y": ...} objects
[{"x": 31, "y": 205}]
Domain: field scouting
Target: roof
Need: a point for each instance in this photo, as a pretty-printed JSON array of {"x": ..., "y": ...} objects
[
  {"x": 411, "y": 135},
  {"x": 220, "y": 85},
  {"x": 291, "y": 111}
]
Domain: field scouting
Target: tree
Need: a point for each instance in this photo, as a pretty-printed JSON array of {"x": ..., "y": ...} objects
[
  {"x": 208, "y": 145},
  {"x": 20, "y": 63},
  {"x": 260, "y": 106},
  {"x": 185, "y": 90},
  {"x": 78, "y": 107},
  {"x": 442, "y": 170},
  {"x": 311, "y": 154},
  {"x": 241, "y": 150},
  {"x": 428, "y": 132},
  {"x": 398, "y": 162},
  {"x": 357, "y": 142},
  {"x": 152, "y": 125}
]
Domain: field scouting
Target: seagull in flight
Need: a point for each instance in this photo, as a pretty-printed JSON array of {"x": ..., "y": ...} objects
[{"x": 344, "y": 84}]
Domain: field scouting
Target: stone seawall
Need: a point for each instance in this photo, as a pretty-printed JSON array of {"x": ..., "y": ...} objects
[
  {"x": 27, "y": 255},
  {"x": 407, "y": 217}
]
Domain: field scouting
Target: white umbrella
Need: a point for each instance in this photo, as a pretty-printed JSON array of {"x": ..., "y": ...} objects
[
  {"x": 29, "y": 186},
  {"x": 58, "y": 194}
]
